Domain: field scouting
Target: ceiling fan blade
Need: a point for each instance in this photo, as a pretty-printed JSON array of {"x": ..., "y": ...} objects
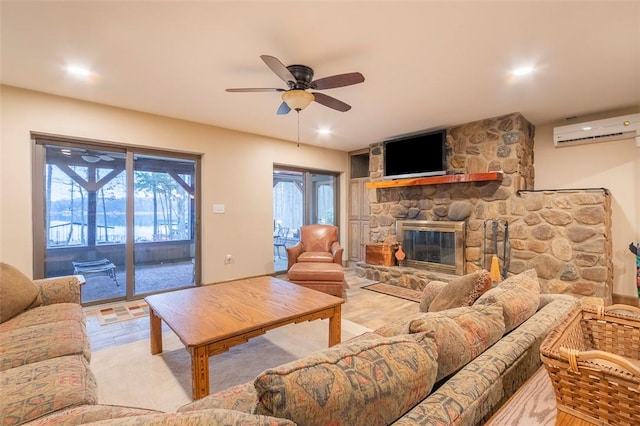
[
  {"x": 278, "y": 68},
  {"x": 256, "y": 89},
  {"x": 331, "y": 102},
  {"x": 284, "y": 109},
  {"x": 339, "y": 80}
]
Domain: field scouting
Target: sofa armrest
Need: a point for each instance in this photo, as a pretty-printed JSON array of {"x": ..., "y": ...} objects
[
  {"x": 66, "y": 289},
  {"x": 336, "y": 251},
  {"x": 242, "y": 397}
]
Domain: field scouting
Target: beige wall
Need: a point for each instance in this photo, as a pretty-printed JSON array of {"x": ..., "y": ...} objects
[
  {"x": 236, "y": 171},
  {"x": 613, "y": 165}
]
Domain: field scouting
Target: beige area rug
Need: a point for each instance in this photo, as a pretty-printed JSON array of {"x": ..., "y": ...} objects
[
  {"x": 130, "y": 375},
  {"x": 396, "y": 291},
  {"x": 122, "y": 312},
  {"x": 533, "y": 404}
]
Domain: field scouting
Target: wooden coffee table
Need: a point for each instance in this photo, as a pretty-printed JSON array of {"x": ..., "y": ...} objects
[{"x": 211, "y": 319}]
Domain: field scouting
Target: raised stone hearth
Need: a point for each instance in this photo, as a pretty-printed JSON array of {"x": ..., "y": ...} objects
[
  {"x": 402, "y": 276},
  {"x": 564, "y": 234}
]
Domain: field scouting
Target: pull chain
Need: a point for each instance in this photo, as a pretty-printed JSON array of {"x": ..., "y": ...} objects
[{"x": 298, "y": 113}]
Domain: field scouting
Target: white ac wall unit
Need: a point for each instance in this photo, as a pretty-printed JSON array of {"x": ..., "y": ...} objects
[{"x": 608, "y": 129}]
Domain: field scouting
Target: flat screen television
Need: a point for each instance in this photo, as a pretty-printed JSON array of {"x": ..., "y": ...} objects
[{"x": 417, "y": 155}]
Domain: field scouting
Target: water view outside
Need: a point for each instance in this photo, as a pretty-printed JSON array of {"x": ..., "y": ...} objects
[{"x": 162, "y": 209}]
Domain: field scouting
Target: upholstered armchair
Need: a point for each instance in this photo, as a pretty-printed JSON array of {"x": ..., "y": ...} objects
[{"x": 318, "y": 243}]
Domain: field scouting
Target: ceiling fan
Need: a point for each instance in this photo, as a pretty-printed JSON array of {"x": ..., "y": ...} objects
[{"x": 299, "y": 79}]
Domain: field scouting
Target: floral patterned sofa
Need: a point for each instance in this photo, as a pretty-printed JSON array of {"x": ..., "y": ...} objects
[
  {"x": 44, "y": 348},
  {"x": 452, "y": 366}
]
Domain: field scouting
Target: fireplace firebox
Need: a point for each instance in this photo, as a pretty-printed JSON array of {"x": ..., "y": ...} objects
[{"x": 433, "y": 245}]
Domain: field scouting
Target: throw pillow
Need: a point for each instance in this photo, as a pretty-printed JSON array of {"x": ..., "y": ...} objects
[
  {"x": 461, "y": 291},
  {"x": 363, "y": 382},
  {"x": 460, "y": 334},
  {"x": 17, "y": 292},
  {"x": 518, "y": 295},
  {"x": 430, "y": 292}
]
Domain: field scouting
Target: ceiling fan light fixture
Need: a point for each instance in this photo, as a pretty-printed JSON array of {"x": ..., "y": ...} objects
[
  {"x": 297, "y": 99},
  {"x": 90, "y": 158}
]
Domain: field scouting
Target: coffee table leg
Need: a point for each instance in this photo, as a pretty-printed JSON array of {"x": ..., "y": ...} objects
[
  {"x": 199, "y": 372},
  {"x": 335, "y": 327},
  {"x": 155, "y": 332}
]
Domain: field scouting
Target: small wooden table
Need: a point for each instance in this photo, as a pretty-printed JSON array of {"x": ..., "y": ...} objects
[{"x": 213, "y": 318}]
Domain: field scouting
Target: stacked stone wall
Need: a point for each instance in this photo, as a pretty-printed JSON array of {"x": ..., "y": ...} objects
[{"x": 564, "y": 235}]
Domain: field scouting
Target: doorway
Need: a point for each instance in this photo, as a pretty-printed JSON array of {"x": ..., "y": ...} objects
[
  {"x": 300, "y": 197},
  {"x": 120, "y": 216}
]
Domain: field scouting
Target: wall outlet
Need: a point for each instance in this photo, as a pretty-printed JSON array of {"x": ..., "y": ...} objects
[{"x": 228, "y": 259}]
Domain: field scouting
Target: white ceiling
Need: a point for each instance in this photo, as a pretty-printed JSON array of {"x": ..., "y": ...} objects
[{"x": 427, "y": 64}]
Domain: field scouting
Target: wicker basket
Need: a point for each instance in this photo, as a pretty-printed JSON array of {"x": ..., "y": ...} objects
[{"x": 593, "y": 360}]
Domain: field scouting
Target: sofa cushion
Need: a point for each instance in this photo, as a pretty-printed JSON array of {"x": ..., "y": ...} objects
[
  {"x": 316, "y": 256},
  {"x": 429, "y": 293},
  {"x": 27, "y": 345},
  {"x": 316, "y": 271},
  {"x": 460, "y": 334},
  {"x": 17, "y": 292},
  {"x": 462, "y": 291},
  {"x": 363, "y": 382},
  {"x": 84, "y": 414},
  {"x": 35, "y": 390},
  {"x": 45, "y": 315},
  {"x": 518, "y": 295},
  {"x": 199, "y": 418}
]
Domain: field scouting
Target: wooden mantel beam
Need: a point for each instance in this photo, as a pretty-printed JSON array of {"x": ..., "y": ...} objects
[{"x": 438, "y": 180}]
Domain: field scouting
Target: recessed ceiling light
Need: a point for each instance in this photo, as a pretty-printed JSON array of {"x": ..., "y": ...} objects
[
  {"x": 79, "y": 71},
  {"x": 522, "y": 71},
  {"x": 324, "y": 131}
]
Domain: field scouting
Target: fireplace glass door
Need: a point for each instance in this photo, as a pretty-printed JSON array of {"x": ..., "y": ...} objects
[
  {"x": 433, "y": 245},
  {"x": 430, "y": 246}
]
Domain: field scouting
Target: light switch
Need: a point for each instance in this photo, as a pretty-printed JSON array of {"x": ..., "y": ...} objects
[{"x": 218, "y": 208}]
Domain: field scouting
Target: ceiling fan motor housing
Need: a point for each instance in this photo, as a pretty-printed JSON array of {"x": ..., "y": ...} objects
[{"x": 303, "y": 75}]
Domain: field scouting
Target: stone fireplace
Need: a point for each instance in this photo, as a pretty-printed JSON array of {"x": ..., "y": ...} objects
[
  {"x": 565, "y": 234},
  {"x": 434, "y": 245}
]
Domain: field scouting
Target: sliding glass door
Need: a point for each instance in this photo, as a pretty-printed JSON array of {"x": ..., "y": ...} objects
[
  {"x": 163, "y": 223},
  {"x": 300, "y": 197},
  {"x": 123, "y": 218}
]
